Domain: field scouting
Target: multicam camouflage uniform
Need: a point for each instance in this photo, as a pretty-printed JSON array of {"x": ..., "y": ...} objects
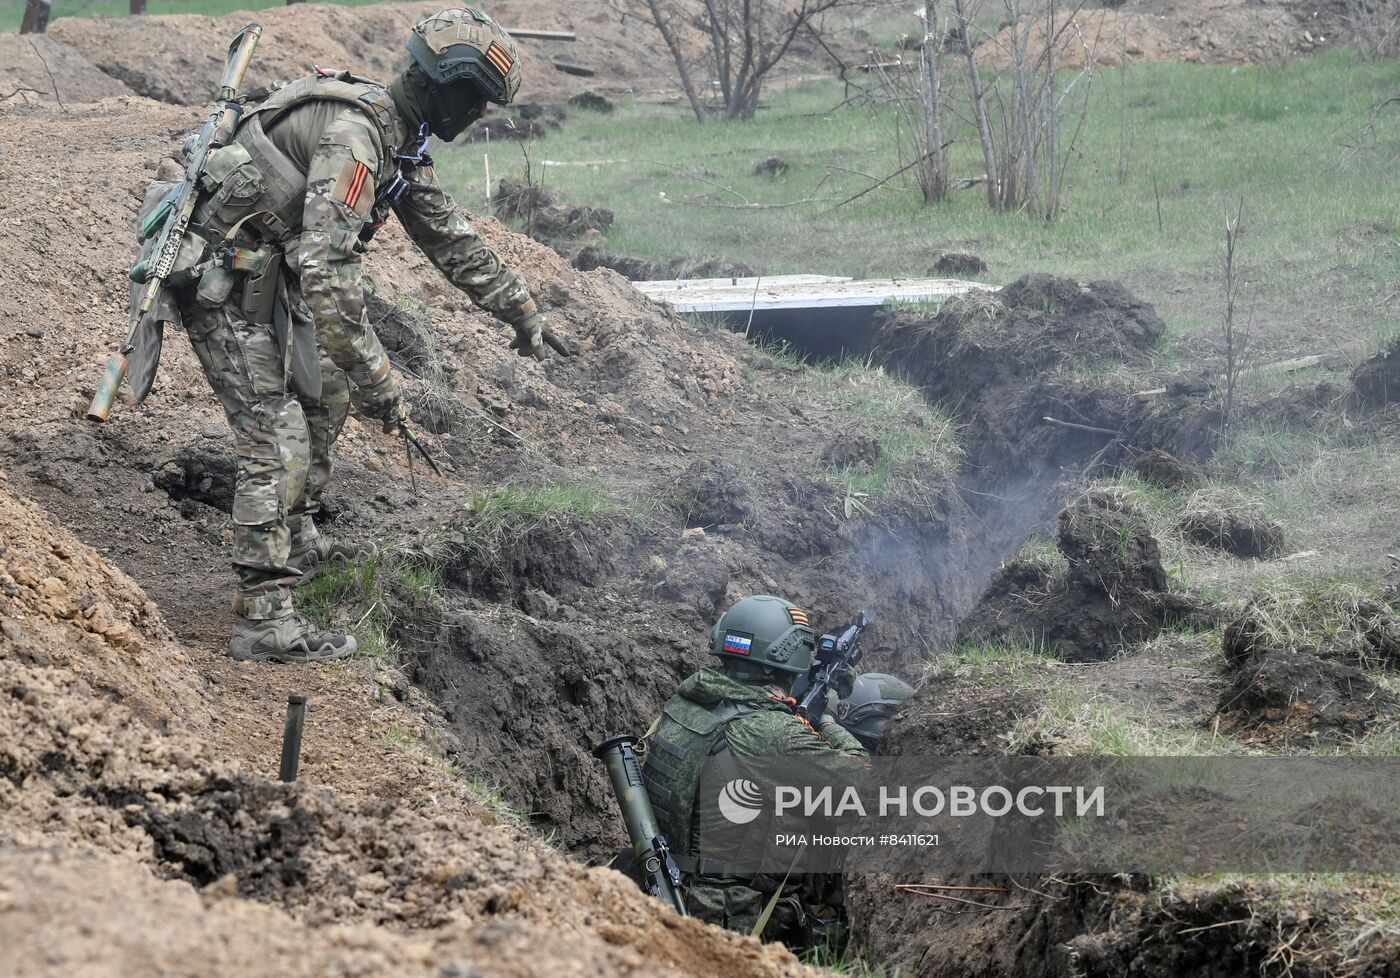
[
  {"x": 343, "y": 135},
  {"x": 760, "y": 723}
]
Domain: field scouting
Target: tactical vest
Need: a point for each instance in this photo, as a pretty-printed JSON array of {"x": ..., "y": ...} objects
[
  {"x": 687, "y": 736},
  {"x": 283, "y": 182}
]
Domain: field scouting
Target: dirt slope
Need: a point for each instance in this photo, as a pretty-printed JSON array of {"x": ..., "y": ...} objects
[
  {"x": 178, "y": 58},
  {"x": 112, "y": 778}
]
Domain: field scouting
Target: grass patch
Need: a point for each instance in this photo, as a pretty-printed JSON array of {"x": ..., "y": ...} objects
[
  {"x": 916, "y": 442},
  {"x": 992, "y": 663},
  {"x": 352, "y": 597},
  {"x": 1077, "y": 723}
]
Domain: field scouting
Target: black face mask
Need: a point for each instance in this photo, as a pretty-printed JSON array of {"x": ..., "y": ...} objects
[
  {"x": 448, "y": 110},
  {"x": 452, "y": 109}
]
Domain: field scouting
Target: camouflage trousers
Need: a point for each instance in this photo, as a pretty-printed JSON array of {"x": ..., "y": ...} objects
[
  {"x": 736, "y": 904},
  {"x": 284, "y": 445}
]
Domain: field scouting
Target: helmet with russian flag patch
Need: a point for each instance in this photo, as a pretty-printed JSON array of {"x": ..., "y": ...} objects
[
  {"x": 463, "y": 44},
  {"x": 765, "y": 631}
]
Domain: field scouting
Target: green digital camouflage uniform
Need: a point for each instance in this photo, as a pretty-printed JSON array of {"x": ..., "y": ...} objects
[
  {"x": 285, "y": 438},
  {"x": 767, "y": 727}
]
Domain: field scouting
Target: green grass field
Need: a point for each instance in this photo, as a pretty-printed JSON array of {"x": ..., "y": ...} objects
[{"x": 1319, "y": 251}]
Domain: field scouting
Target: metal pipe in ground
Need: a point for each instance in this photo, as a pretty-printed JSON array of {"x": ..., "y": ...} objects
[
  {"x": 291, "y": 737},
  {"x": 36, "y": 17}
]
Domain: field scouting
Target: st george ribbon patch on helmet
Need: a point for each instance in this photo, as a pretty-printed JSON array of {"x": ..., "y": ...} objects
[
  {"x": 798, "y": 617},
  {"x": 499, "y": 57},
  {"x": 738, "y": 643}
]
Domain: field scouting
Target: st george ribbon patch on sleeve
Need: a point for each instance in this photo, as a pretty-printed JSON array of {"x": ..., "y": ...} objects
[{"x": 350, "y": 186}]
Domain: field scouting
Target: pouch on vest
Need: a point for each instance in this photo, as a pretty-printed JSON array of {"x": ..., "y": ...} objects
[
  {"x": 215, "y": 286},
  {"x": 234, "y": 180}
]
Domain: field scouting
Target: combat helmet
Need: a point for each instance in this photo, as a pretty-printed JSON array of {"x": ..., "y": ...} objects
[
  {"x": 875, "y": 698},
  {"x": 463, "y": 44},
  {"x": 765, "y": 631}
]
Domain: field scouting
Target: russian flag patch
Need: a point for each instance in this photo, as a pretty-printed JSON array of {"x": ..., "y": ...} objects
[{"x": 738, "y": 643}]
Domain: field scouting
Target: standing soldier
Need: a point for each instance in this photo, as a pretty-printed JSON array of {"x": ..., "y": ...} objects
[
  {"x": 743, "y": 709},
  {"x": 274, "y": 303}
]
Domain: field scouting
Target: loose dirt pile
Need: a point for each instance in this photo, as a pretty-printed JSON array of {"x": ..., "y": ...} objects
[
  {"x": 1191, "y": 31},
  {"x": 1113, "y": 594},
  {"x": 36, "y": 67},
  {"x": 179, "y": 58},
  {"x": 543, "y": 218}
]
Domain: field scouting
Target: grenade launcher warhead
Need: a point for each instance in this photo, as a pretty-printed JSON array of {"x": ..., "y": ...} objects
[
  {"x": 171, "y": 220},
  {"x": 663, "y": 879}
]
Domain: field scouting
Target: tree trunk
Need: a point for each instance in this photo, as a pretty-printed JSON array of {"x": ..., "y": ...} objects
[
  {"x": 979, "y": 104},
  {"x": 136, "y": 8},
  {"x": 933, "y": 167},
  {"x": 36, "y": 17},
  {"x": 673, "y": 45}
]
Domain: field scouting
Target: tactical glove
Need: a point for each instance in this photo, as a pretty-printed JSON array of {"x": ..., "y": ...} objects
[
  {"x": 533, "y": 334},
  {"x": 529, "y": 337},
  {"x": 383, "y": 402}
]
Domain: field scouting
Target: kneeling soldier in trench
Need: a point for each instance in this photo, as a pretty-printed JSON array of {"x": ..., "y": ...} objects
[
  {"x": 315, "y": 168},
  {"x": 744, "y": 708}
]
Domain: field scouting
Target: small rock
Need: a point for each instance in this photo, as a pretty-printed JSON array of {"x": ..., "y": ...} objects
[
  {"x": 10, "y": 629},
  {"x": 35, "y": 332},
  {"x": 694, "y": 533}
]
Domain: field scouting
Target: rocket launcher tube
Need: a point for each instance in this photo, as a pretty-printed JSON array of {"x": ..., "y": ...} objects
[{"x": 663, "y": 879}]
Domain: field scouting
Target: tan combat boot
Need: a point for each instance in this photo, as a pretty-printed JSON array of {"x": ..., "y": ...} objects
[
  {"x": 289, "y": 639},
  {"x": 323, "y": 552}
]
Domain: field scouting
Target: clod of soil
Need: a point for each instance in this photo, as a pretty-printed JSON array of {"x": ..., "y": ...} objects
[
  {"x": 958, "y": 263},
  {"x": 1376, "y": 382},
  {"x": 1240, "y": 534},
  {"x": 774, "y": 166},
  {"x": 1164, "y": 469},
  {"x": 549, "y": 114},
  {"x": 1113, "y": 594},
  {"x": 544, "y": 219},
  {"x": 1363, "y": 632},
  {"x": 498, "y": 127},
  {"x": 591, "y": 101},
  {"x": 1291, "y": 681},
  {"x": 1292, "y": 696}
]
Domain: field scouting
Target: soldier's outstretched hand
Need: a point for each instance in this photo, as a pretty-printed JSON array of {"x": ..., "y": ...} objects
[{"x": 533, "y": 336}]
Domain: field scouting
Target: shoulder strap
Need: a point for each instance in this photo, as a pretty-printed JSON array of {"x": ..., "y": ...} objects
[{"x": 370, "y": 98}]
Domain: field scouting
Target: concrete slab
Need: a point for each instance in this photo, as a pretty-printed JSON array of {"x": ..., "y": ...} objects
[{"x": 812, "y": 292}]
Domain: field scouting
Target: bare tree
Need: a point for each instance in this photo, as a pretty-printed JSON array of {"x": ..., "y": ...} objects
[
  {"x": 1236, "y": 337},
  {"x": 1022, "y": 114},
  {"x": 742, "y": 42},
  {"x": 662, "y": 15},
  {"x": 1375, "y": 26}
]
